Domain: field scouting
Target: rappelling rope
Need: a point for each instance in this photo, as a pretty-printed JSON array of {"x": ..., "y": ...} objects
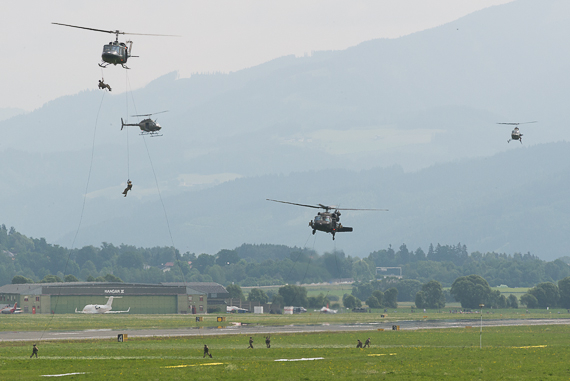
[
  {"x": 127, "y": 118},
  {"x": 156, "y": 182},
  {"x": 82, "y": 212}
]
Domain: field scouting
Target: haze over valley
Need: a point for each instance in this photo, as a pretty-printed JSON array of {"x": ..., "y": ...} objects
[{"x": 407, "y": 124}]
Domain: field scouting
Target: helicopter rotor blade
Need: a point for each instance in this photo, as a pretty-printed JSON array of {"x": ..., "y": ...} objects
[
  {"x": 321, "y": 206},
  {"x": 96, "y": 30},
  {"x": 149, "y": 34},
  {"x": 378, "y": 210},
  {"x": 517, "y": 123},
  {"x": 154, "y": 113},
  {"x": 117, "y": 31},
  {"x": 293, "y": 203}
]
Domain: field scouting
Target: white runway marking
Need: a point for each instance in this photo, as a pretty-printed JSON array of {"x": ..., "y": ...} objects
[
  {"x": 187, "y": 365},
  {"x": 302, "y": 359},
  {"x": 61, "y": 375}
]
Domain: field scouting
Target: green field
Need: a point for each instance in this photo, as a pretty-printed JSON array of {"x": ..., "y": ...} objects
[
  {"x": 533, "y": 353},
  {"x": 29, "y": 322}
]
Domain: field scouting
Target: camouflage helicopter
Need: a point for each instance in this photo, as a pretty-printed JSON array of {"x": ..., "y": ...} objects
[
  {"x": 327, "y": 221},
  {"x": 516, "y": 133},
  {"x": 147, "y": 126},
  {"x": 115, "y": 52}
]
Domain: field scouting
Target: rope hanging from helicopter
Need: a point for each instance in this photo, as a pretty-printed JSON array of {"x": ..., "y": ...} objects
[
  {"x": 80, "y": 215},
  {"x": 127, "y": 117},
  {"x": 129, "y": 91}
]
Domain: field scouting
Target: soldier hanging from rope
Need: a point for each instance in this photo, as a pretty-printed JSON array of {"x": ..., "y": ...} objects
[
  {"x": 103, "y": 85},
  {"x": 128, "y": 188}
]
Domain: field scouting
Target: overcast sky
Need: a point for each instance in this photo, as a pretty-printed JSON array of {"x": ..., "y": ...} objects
[{"x": 42, "y": 61}]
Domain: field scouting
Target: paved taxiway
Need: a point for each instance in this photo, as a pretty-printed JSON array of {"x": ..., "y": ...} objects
[{"x": 262, "y": 330}]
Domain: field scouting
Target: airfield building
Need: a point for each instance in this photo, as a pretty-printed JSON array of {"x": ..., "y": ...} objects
[{"x": 61, "y": 298}]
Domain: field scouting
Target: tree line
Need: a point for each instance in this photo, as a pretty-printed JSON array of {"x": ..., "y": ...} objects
[{"x": 262, "y": 265}]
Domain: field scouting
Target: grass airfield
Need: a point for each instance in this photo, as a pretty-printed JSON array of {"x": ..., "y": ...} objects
[{"x": 531, "y": 352}]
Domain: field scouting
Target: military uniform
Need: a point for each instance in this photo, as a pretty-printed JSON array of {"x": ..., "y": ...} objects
[
  {"x": 207, "y": 351},
  {"x": 128, "y": 188},
  {"x": 367, "y": 343},
  {"x": 34, "y": 351},
  {"x": 103, "y": 85},
  {"x": 250, "y": 343},
  {"x": 359, "y": 345},
  {"x": 268, "y": 342}
]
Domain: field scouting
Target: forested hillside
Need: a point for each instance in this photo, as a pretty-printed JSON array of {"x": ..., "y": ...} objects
[{"x": 251, "y": 265}]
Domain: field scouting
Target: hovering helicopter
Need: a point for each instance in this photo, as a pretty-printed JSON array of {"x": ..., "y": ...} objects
[
  {"x": 516, "y": 134},
  {"x": 328, "y": 222},
  {"x": 147, "y": 126},
  {"x": 115, "y": 52}
]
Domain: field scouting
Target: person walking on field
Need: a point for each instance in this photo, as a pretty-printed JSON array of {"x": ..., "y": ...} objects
[
  {"x": 367, "y": 343},
  {"x": 250, "y": 343},
  {"x": 268, "y": 341},
  {"x": 359, "y": 345},
  {"x": 207, "y": 351},
  {"x": 34, "y": 351}
]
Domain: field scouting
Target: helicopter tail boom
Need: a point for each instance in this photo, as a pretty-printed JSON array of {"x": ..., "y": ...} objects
[{"x": 123, "y": 124}]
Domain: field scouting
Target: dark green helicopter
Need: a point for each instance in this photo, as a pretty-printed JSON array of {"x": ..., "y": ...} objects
[
  {"x": 516, "y": 133},
  {"x": 327, "y": 221},
  {"x": 115, "y": 52},
  {"x": 147, "y": 126}
]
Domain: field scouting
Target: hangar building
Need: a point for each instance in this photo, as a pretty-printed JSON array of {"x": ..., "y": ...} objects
[{"x": 141, "y": 298}]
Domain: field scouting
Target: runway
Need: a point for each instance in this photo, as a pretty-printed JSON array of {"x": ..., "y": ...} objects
[{"x": 258, "y": 329}]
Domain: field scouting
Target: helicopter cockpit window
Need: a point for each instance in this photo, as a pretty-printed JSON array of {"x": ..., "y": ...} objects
[
  {"x": 327, "y": 219},
  {"x": 111, "y": 49},
  {"x": 317, "y": 218}
]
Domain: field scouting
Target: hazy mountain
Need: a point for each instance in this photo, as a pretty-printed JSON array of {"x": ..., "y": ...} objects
[
  {"x": 363, "y": 127},
  {"x": 511, "y": 202},
  {"x": 7, "y": 113}
]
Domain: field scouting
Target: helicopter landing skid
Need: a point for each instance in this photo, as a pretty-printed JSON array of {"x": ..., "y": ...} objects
[
  {"x": 151, "y": 134},
  {"x": 103, "y": 65}
]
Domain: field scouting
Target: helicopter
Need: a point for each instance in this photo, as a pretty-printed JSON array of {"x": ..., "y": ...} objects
[
  {"x": 327, "y": 221},
  {"x": 516, "y": 134},
  {"x": 147, "y": 126},
  {"x": 115, "y": 52}
]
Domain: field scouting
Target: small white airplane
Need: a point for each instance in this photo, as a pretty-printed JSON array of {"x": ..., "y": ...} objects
[
  {"x": 326, "y": 310},
  {"x": 100, "y": 308},
  {"x": 235, "y": 309}
]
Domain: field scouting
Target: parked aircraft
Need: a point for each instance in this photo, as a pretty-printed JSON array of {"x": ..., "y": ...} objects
[
  {"x": 235, "y": 309},
  {"x": 326, "y": 310},
  {"x": 100, "y": 308},
  {"x": 12, "y": 310}
]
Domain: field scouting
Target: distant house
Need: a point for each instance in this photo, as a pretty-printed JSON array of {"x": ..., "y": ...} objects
[{"x": 167, "y": 266}]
